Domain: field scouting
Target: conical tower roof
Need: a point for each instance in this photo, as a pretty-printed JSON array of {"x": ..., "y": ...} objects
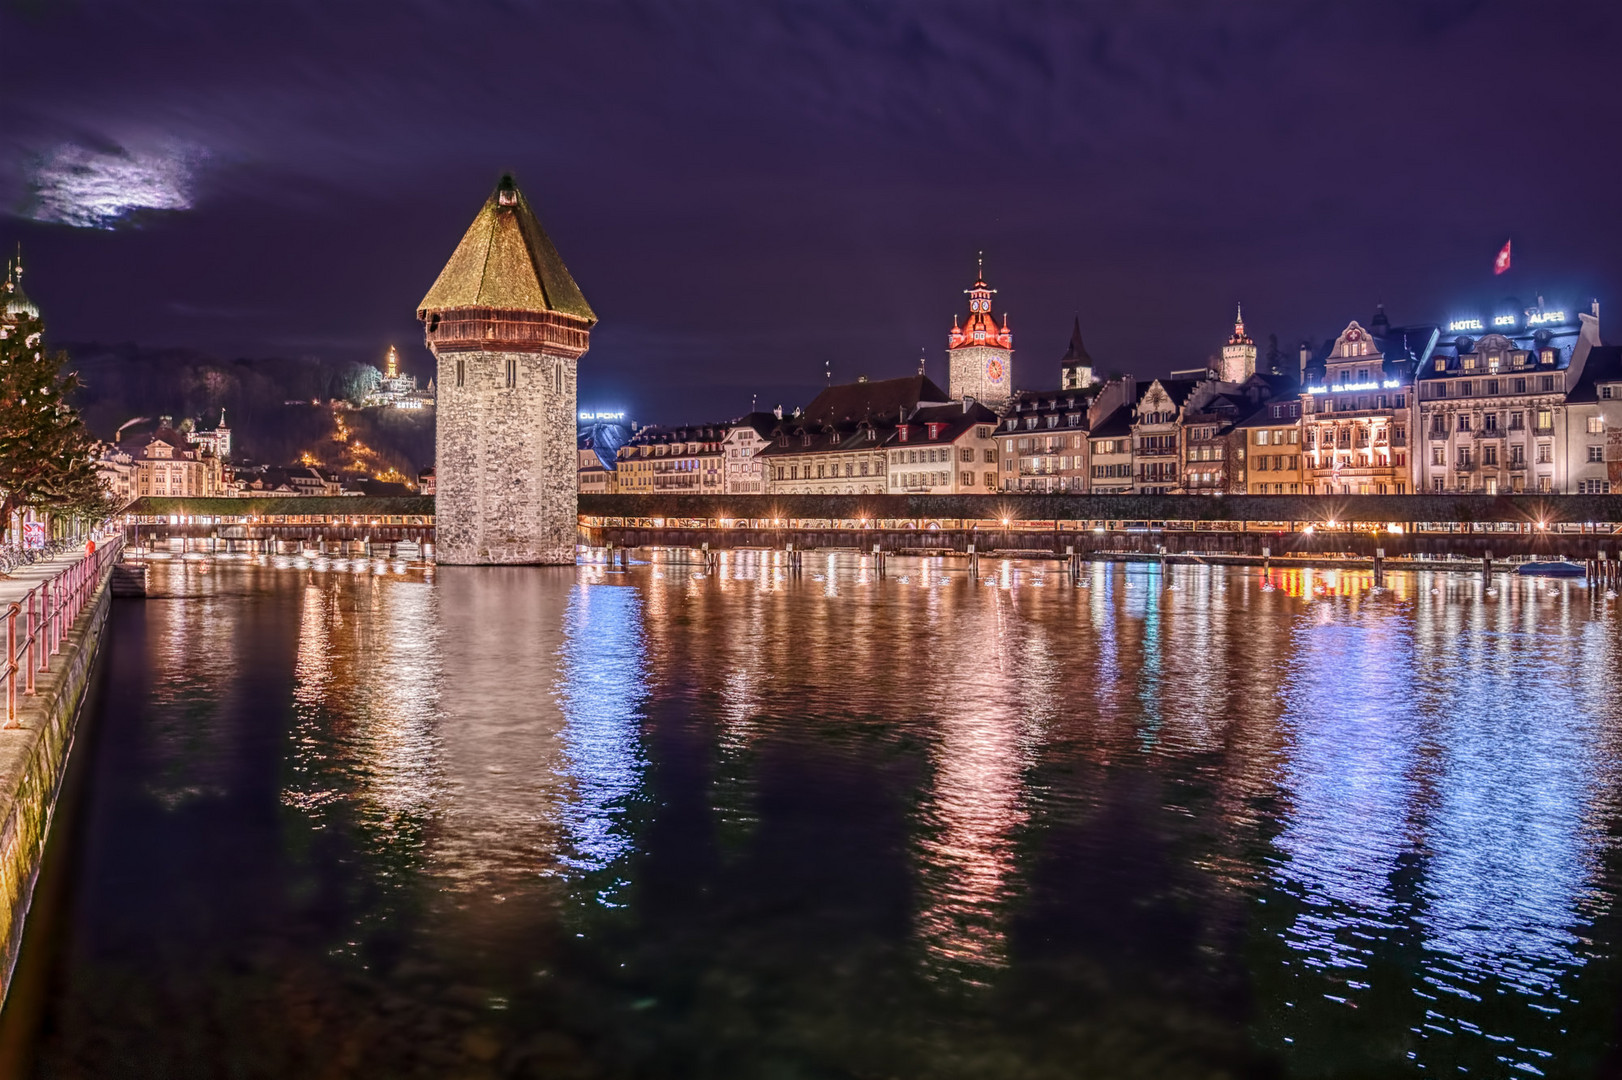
[
  {"x": 1077, "y": 352},
  {"x": 14, "y": 303},
  {"x": 507, "y": 262}
]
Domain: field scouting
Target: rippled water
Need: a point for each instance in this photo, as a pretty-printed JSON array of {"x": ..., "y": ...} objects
[{"x": 666, "y": 823}]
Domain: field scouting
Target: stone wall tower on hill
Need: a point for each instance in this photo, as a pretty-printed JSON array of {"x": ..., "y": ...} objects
[
  {"x": 980, "y": 354},
  {"x": 1239, "y": 354},
  {"x": 507, "y": 326}
]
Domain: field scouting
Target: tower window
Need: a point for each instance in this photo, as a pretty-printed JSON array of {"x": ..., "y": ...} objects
[
  {"x": 512, "y": 372},
  {"x": 557, "y": 378},
  {"x": 461, "y": 372}
]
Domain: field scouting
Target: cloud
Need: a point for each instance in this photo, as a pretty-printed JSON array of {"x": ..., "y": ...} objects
[{"x": 100, "y": 188}]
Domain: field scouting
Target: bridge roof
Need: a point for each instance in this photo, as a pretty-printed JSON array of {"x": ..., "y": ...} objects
[{"x": 287, "y": 506}]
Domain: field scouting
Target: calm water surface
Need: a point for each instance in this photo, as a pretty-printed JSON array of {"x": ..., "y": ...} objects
[{"x": 574, "y": 823}]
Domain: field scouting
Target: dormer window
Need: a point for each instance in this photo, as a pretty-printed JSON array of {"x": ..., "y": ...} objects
[
  {"x": 1441, "y": 364},
  {"x": 902, "y": 432},
  {"x": 1518, "y": 360},
  {"x": 1469, "y": 363},
  {"x": 1012, "y": 423},
  {"x": 1548, "y": 356},
  {"x": 1030, "y": 423}
]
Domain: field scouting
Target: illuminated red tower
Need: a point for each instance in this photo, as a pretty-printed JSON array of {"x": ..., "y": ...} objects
[{"x": 980, "y": 354}]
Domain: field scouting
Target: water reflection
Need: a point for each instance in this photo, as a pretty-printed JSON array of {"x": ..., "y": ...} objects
[{"x": 724, "y": 819}]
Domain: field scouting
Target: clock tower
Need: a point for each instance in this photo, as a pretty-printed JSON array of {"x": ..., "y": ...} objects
[
  {"x": 1239, "y": 354},
  {"x": 980, "y": 354}
]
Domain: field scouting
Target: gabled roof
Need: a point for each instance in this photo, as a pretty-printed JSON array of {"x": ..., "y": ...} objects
[
  {"x": 506, "y": 261},
  {"x": 1604, "y": 364},
  {"x": 883, "y": 401},
  {"x": 954, "y": 419},
  {"x": 1115, "y": 425}
]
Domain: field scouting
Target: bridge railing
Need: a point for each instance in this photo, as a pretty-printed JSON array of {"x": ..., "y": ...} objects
[{"x": 37, "y": 624}]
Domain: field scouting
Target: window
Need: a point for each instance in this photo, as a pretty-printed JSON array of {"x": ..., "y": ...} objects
[
  {"x": 1596, "y": 425},
  {"x": 1596, "y": 453},
  {"x": 982, "y": 432},
  {"x": 1438, "y": 455},
  {"x": 1489, "y": 454},
  {"x": 991, "y": 457},
  {"x": 1517, "y": 455},
  {"x": 1464, "y": 421},
  {"x": 1466, "y": 389},
  {"x": 1594, "y": 487},
  {"x": 1545, "y": 420},
  {"x": 461, "y": 371},
  {"x": 1489, "y": 422},
  {"x": 557, "y": 378},
  {"x": 1492, "y": 386},
  {"x": 1605, "y": 392},
  {"x": 1437, "y": 484},
  {"x": 1464, "y": 457},
  {"x": 966, "y": 454},
  {"x": 1545, "y": 454},
  {"x": 966, "y": 479}
]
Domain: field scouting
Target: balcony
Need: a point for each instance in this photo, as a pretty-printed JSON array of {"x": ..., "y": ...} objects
[{"x": 1170, "y": 451}]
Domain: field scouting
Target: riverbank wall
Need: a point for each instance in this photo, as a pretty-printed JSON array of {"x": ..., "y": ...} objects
[{"x": 33, "y": 761}]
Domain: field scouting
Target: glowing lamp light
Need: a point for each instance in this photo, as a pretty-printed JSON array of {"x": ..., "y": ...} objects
[
  {"x": 1543, "y": 525},
  {"x": 1330, "y": 523},
  {"x": 1308, "y": 531},
  {"x": 1394, "y": 529},
  {"x": 1005, "y": 521}
]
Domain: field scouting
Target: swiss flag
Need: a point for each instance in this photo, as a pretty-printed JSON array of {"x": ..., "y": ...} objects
[{"x": 1500, "y": 264}]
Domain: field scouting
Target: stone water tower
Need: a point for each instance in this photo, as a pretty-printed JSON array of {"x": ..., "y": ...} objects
[{"x": 507, "y": 326}]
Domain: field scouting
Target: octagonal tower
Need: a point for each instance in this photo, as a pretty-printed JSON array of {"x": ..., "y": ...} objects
[{"x": 507, "y": 326}]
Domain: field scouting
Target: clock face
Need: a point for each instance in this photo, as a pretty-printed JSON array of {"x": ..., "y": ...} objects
[{"x": 994, "y": 370}]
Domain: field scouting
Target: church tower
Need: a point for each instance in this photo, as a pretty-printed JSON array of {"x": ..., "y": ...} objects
[
  {"x": 1239, "y": 354},
  {"x": 507, "y": 326},
  {"x": 980, "y": 354}
]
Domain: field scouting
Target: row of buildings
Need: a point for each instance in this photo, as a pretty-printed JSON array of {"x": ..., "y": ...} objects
[{"x": 1519, "y": 398}]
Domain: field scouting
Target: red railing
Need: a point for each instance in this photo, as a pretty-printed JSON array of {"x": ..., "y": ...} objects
[{"x": 36, "y": 624}]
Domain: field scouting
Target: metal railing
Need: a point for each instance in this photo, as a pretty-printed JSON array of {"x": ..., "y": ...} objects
[{"x": 37, "y": 624}]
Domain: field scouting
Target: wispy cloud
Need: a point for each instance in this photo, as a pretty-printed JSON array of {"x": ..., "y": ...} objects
[{"x": 103, "y": 187}]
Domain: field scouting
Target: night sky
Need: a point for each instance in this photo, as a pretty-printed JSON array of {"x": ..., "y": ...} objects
[{"x": 747, "y": 191}]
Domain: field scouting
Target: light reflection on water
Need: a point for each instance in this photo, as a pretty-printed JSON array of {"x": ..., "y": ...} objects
[{"x": 709, "y": 820}]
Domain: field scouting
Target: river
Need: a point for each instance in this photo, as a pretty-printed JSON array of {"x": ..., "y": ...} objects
[{"x": 378, "y": 821}]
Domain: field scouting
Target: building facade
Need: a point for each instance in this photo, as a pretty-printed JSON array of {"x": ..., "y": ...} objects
[
  {"x": 1268, "y": 450},
  {"x": 167, "y": 466},
  {"x": 1239, "y": 354},
  {"x": 1157, "y": 430},
  {"x": 1042, "y": 442},
  {"x": 672, "y": 460},
  {"x": 1076, "y": 368},
  {"x": 1356, "y": 413},
  {"x": 943, "y": 450},
  {"x": 507, "y": 326},
  {"x": 744, "y": 472}
]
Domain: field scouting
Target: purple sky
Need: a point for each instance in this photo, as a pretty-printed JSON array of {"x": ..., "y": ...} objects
[{"x": 746, "y": 191}]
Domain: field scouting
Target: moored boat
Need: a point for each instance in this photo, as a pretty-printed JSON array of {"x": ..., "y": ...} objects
[{"x": 1551, "y": 568}]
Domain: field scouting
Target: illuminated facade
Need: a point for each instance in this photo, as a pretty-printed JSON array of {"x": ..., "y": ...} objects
[
  {"x": 1356, "y": 414},
  {"x": 507, "y": 326},
  {"x": 1493, "y": 409},
  {"x": 1268, "y": 450},
  {"x": 744, "y": 473},
  {"x": 672, "y": 460},
  {"x": 980, "y": 354},
  {"x": 1594, "y": 421},
  {"x": 166, "y": 467},
  {"x": 1157, "y": 437},
  {"x": 1042, "y": 443},
  {"x": 943, "y": 450}
]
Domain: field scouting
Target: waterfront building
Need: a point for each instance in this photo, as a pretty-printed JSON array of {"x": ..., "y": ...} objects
[
  {"x": 1492, "y": 407},
  {"x": 1239, "y": 354},
  {"x": 673, "y": 460},
  {"x": 425, "y": 480},
  {"x": 1076, "y": 368},
  {"x": 1356, "y": 410},
  {"x": 1267, "y": 449},
  {"x": 1042, "y": 442},
  {"x": 166, "y": 466},
  {"x": 744, "y": 472},
  {"x": 980, "y": 354},
  {"x": 1157, "y": 436},
  {"x": 1109, "y": 437},
  {"x": 116, "y": 469},
  {"x": 943, "y": 450},
  {"x": 1594, "y": 416},
  {"x": 835, "y": 446},
  {"x": 507, "y": 326}
]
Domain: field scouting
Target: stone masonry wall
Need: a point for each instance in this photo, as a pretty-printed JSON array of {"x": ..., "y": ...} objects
[
  {"x": 966, "y": 374},
  {"x": 33, "y": 760},
  {"x": 505, "y": 468}
]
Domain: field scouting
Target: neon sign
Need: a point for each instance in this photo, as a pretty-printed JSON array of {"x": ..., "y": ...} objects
[
  {"x": 602, "y": 416},
  {"x": 1465, "y": 324},
  {"x": 1503, "y": 320},
  {"x": 1541, "y": 318},
  {"x": 1389, "y": 384}
]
